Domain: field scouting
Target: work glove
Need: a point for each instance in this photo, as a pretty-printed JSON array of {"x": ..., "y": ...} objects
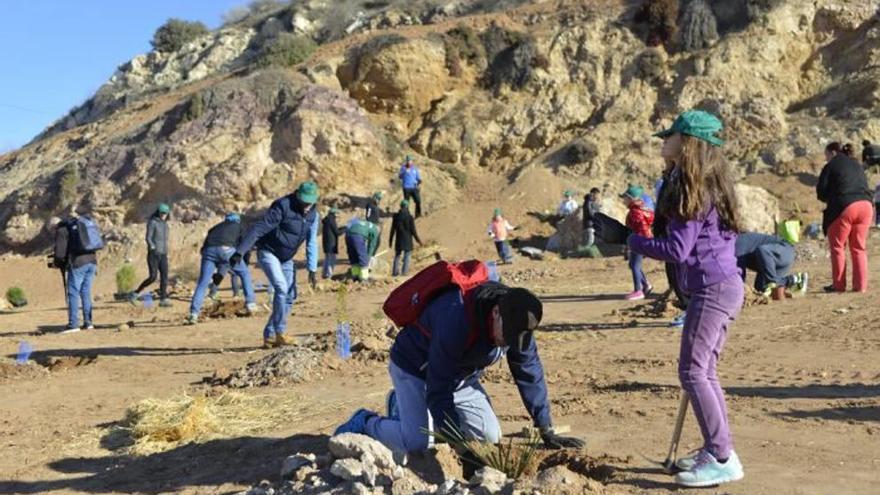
[
  {"x": 313, "y": 280},
  {"x": 217, "y": 278},
  {"x": 235, "y": 259},
  {"x": 554, "y": 441}
]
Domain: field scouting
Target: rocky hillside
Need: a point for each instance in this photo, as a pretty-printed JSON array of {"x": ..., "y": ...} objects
[{"x": 470, "y": 88}]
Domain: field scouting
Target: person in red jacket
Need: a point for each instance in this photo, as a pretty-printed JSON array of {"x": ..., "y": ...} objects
[{"x": 639, "y": 220}]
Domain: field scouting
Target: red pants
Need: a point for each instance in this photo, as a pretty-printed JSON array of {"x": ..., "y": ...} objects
[{"x": 852, "y": 225}]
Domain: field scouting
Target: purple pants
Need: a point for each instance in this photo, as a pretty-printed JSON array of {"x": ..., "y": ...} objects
[{"x": 710, "y": 312}]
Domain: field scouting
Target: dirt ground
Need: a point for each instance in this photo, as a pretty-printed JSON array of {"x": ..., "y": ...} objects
[{"x": 802, "y": 378}]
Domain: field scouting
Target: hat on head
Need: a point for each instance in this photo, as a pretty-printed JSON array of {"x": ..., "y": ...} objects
[
  {"x": 164, "y": 208},
  {"x": 409, "y": 157},
  {"x": 521, "y": 312},
  {"x": 496, "y": 212},
  {"x": 568, "y": 193},
  {"x": 233, "y": 217},
  {"x": 696, "y": 123},
  {"x": 404, "y": 204},
  {"x": 378, "y": 195},
  {"x": 334, "y": 210},
  {"x": 633, "y": 192},
  {"x": 307, "y": 192}
]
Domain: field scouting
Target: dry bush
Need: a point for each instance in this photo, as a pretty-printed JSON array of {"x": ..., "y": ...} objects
[
  {"x": 699, "y": 28},
  {"x": 661, "y": 16}
]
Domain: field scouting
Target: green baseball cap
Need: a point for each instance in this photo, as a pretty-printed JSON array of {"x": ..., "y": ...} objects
[
  {"x": 497, "y": 212},
  {"x": 164, "y": 208},
  {"x": 307, "y": 192},
  {"x": 568, "y": 193},
  {"x": 334, "y": 210},
  {"x": 697, "y": 123},
  {"x": 404, "y": 204},
  {"x": 633, "y": 191},
  {"x": 377, "y": 195}
]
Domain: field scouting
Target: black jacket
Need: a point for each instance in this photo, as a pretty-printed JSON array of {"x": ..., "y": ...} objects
[
  {"x": 403, "y": 228},
  {"x": 330, "y": 234},
  {"x": 871, "y": 154},
  {"x": 63, "y": 255},
  {"x": 372, "y": 212},
  {"x": 223, "y": 234},
  {"x": 841, "y": 183}
]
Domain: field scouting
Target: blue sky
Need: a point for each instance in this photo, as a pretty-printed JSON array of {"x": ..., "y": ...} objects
[{"x": 57, "y": 53}]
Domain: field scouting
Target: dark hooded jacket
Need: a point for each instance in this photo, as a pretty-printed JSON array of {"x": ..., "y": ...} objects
[
  {"x": 403, "y": 230},
  {"x": 446, "y": 361},
  {"x": 330, "y": 233}
]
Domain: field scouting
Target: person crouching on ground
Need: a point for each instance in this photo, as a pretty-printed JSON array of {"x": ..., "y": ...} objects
[
  {"x": 289, "y": 222},
  {"x": 771, "y": 258},
  {"x": 639, "y": 220},
  {"x": 361, "y": 243},
  {"x": 499, "y": 230},
  {"x": 218, "y": 248},
  {"x": 403, "y": 231},
  {"x": 436, "y": 367},
  {"x": 701, "y": 234}
]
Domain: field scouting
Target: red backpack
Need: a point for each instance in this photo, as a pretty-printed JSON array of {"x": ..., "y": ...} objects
[{"x": 406, "y": 302}]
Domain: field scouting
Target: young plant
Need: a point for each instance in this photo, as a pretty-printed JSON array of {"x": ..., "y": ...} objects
[
  {"x": 512, "y": 459},
  {"x": 16, "y": 297},
  {"x": 125, "y": 279}
]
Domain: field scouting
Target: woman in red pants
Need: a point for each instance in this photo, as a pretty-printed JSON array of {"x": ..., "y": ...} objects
[{"x": 843, "y": 187}]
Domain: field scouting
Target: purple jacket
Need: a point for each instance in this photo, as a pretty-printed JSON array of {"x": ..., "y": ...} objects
[{"x": 704, "y": 253}]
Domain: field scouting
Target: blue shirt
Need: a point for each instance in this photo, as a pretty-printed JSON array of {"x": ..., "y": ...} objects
[{"x": 410, "y": 177}]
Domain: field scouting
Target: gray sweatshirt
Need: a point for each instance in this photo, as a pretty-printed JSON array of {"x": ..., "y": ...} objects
[{"x": 157, "y": 235}]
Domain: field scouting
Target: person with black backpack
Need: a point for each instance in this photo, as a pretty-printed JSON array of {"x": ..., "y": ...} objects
[
  {"x": 157, "y": 255},
  {"x": 77, "y": 239},
  {"x": 462, "y": 324}
]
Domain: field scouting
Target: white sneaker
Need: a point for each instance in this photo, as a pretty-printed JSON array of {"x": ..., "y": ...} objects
[
  {"x": 707, "y": 471},
  {"x": 90, "y": 327},
  {"x": 71, "y": 330},
  {"x": 686, "y": 463}
]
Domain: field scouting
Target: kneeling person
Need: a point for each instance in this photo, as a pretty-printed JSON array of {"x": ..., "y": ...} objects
[
  {"x": 436, "y": 365},
  {"x": 361, "y": 242},
  {"x": 771, "y": 258}
]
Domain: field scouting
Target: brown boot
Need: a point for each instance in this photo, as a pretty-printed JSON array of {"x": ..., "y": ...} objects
[
  {"x": 281, "y": 340},
  {"x": 268, "y": 343}
]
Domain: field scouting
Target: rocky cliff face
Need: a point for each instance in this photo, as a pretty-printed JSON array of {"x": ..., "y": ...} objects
[{"x": 568, "y": 86}]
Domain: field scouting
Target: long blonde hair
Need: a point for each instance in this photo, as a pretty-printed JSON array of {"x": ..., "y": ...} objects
[{"x": 703, "y": 179}]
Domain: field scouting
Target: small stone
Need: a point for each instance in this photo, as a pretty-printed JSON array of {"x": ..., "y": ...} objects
[
  {"x": 489, "y": 478},
  {"x": 123, "y": 328},
  {"x": 347, "y": 469},
  {"x": 294, "y": 463},
  {"x": 360, "y": 489},
  {"x": 354, "y": 445}
]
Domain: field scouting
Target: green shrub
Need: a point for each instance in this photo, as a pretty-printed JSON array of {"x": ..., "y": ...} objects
[
  {"x": 69, "y": 184},
  {"x": 16, "y": 297},
  {"x": 195, "y": 108},
  {"x": 286, "y": 50},
  {"x": 125, "y": 279},
  {"x": 699, "y": 28},
  {"x": 175, "y": 33}
]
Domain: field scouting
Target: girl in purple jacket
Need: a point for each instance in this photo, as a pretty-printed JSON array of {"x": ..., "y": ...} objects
[{"x": 700, "y": 240}]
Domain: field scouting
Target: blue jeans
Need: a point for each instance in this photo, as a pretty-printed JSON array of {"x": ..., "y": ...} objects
[
  {"x": 640, "y": 281},
  {"x": 503, "y": 249},
  {"x": 407, "y": 434},
  {"x": 395, "y": 268},
  {"x": 79, "y": 287},
  {"x": 282, "y": 278},
  {"x": 214, "y": 258},
  {"x": 329, "y": 264}
]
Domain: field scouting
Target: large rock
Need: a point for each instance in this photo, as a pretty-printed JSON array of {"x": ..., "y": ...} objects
[
  {"x": 759, "y": 209},
  {"x": 356, "y": 446}
]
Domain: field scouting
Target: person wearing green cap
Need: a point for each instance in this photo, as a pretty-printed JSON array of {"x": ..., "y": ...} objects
[
  {"x": 330, "y": 242},
  {"x": 568, "y": 206},
  {"x": 700, "y": 239},
  {"x": 361, "y": 243},
  {"x": 373, "y": 211},
  {"x": 289, "y": 223},
  {"x": 157, "y": 255},
  {"x": 498, "y": 230},
  {"x": 403, "y": 230},
  {"x": 638, "y": 220},
  {"x": 411, "y": 181}
]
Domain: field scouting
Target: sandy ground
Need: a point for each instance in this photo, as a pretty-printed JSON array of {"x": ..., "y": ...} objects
[{"x": 802, "y": 378}]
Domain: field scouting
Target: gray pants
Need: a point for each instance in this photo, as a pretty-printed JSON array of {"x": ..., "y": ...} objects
[{"x": 409, "y": 433}]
